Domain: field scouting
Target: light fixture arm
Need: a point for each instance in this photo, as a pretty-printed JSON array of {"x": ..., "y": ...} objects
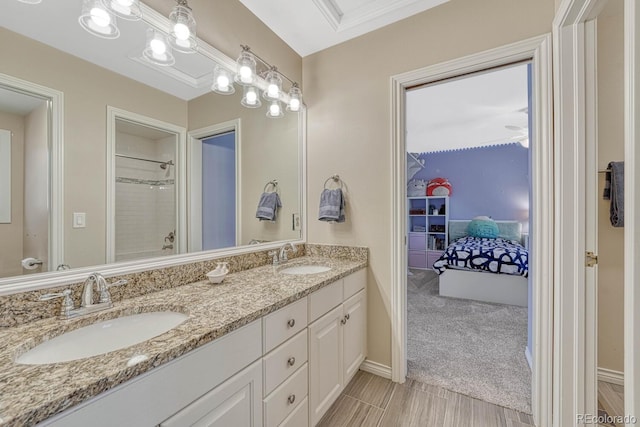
[{"x": 270, "y": 67}]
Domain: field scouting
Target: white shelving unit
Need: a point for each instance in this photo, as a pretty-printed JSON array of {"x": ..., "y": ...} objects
[{"x": 428, "y": 224}]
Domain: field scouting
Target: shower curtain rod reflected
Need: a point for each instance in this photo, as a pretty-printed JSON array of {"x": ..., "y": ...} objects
[{"x": 169, "y": 162}]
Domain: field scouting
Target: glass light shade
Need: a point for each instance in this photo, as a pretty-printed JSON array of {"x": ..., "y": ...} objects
[
  {"x": 125, "y": 9},
  {"x": 30, "y": 1},
  {"x": 274, "y": 86},
  {"x": 246, "y": 69},
  {"x": 157, "y": 50},
  {"x": 98, "y": 20},
  {"x": 222, "y": 81},
  {"x": 275, "y": 110},
  {"x": 295, "y": 99},
  {"x": 183, "y": 28},
  {"x": 251, "y": 98}
]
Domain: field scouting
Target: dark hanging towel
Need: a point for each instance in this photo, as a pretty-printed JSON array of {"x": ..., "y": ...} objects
[{"x": 614, "y": 191}]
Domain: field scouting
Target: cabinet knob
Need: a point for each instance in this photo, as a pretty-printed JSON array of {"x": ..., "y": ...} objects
[
  {"x": 291, "y": 323},
  {"x": 343, "y": 321},
  {"x": 347, "y": 316},
  {"x": 291, "y": 361},
  {"x": 291, "y": 399}
]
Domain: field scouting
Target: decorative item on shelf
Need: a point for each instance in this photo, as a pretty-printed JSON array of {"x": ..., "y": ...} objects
[
  {"x": 436, "y": 228},
  {"x": 419, "y": 228},
  {"x": 218, "y": 275},
  {"x": 416, "y": 188},
  {"x": 439, "y": 187},
  {"x": 433, "y": 210},
  {"x": 417, "y": 211},
  {"x": 442, "y": 210}
]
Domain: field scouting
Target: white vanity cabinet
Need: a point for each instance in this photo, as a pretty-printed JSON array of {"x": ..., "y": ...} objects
[
  {"x": 337, "y": 340},
  {"x": 283, "y": 370}
]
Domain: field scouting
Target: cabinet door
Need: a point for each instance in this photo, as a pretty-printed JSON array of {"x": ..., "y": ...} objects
[
  {"x": 355, "y": 334},
  {"x": 325, "y": 363},
  {"x": 236, "y": 402}
]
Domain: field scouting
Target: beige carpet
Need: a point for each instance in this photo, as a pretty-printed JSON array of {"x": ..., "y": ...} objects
[{"x": 470, "y": 347}]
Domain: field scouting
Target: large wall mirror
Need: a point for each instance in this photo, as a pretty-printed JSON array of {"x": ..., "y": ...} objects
[{"x": 154, "y": 163}]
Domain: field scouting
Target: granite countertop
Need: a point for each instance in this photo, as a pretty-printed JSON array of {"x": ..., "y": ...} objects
[{"x": 32, "y": 393}]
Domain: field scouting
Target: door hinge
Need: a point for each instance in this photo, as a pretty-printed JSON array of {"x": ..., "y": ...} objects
[{"x": 591, "y": 259}]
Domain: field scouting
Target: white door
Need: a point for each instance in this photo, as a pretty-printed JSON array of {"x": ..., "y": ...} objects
[
  {"x": 355, "y": 317},
  {"x": 325, "y": 363},
  {"x": 632, "y": 210}
]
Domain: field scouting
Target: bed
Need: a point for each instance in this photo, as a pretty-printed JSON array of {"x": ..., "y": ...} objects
[{"x": 491, "y": 270}]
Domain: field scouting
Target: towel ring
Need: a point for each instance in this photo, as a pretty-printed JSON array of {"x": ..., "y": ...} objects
[
  {"x": 274, "y": 183},
  {"x": 334, "y": 178}
]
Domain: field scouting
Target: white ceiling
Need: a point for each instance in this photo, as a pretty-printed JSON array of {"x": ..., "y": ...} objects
[
  {"x": 309, "y": 26},
  {"x": 469, "y": 112}
]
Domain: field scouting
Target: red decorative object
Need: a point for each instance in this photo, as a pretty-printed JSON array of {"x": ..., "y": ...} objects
[{"x": 439, "y": 187}]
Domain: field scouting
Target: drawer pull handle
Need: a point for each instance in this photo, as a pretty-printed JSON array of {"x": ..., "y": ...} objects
[
  {"x": 291, "y": 399},
  {"x": 291, "y": 323},
  {"x": 343, "y": 321},
  {"x": 291, "y": 361},
  {"x": 347, "y": 316}
]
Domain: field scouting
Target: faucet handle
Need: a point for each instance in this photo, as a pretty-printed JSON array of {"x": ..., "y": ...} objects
[
  {"x": 67, "y": 301},
  {"x": 274, "y": 255},
  {"x": 105, "y": 295}
]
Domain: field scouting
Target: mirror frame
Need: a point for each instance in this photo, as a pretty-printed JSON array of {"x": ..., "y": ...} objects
[{"x": 25, "y": 283}]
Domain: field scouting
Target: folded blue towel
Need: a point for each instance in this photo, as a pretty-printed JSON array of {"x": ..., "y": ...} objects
[
  {"x": 332, "y": 205},
  {"x": 268, "y": 206},
  {"x": 614, "y": 191}
]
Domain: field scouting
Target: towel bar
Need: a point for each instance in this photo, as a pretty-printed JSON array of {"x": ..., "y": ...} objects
[
  {"x": 274, "y": 183},
  {"x": 336, "y": 179}
]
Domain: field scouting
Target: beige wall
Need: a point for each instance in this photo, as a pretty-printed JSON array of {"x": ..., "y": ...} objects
[
  {"x": 268, "y": 150},
  {"x": 11, "y": 241},
  {"x": 347, "y": 90},
  {"x": 610, "y": 148},
  {"x": 36, "y": 185}
]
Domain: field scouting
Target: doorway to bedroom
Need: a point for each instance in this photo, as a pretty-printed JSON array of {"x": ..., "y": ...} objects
[{"x": 468, "y": 205}]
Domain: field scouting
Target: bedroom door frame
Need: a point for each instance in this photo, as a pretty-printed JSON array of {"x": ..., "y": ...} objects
[{"x": 538, "y": 50}]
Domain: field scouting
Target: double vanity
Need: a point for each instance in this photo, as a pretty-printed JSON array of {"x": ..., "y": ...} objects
[{"x": 269, "y": 346}]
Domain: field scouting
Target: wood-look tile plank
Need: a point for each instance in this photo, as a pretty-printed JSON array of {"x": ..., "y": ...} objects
[
  {"x": 348, "y": 412},
  {"x": 370, "y": 389},
  {"x": 484, "y": 414},
  {"x": 611, "y": 399},
  {"x": 411, "y": 407},
  {"x": 438, "y": 391},
  {"x": 513, "y": 423},
  {"x": 458, "y": 410}
]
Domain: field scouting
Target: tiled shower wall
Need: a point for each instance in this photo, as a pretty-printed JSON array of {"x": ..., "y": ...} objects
[{"x": 145, "y": 198}]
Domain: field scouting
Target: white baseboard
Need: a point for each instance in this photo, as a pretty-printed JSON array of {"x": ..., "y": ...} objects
[
  {"x": 610, "y": 376},
  {"x": 376, "y": 368},
  {"x": 527, "y": 354}
]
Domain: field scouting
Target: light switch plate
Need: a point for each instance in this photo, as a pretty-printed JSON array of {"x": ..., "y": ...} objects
[
  {"x": 79, "y": 220},
  {"x": 296, "y": 222}
]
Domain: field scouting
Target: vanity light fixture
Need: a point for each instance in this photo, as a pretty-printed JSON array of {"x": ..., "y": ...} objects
[
  {"x": 125, "y": 9},
  {"x": 251, "y": 99},
  {"x": 274, "y": 85},
  {"x": 157, "y": 50},
  {"x": 275, "y": 110},
  {"x": 246, "y": 64},
  {"x": 183, "y": 28},
  {"x": 98, "y": 20},
  {"x": 222, "y": 81},
  {"x": 30, "y": 1},
  {"x": 295, "y": 98},
  {"x": 246, "y": 75}
]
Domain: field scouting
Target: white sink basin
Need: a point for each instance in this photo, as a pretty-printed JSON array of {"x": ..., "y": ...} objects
[
  {"x": 102, "y": 337},
  {"x": 305, "y": 269}
]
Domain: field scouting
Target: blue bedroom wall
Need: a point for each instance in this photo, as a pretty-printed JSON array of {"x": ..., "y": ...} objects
[{"x": 491, "y": 181}]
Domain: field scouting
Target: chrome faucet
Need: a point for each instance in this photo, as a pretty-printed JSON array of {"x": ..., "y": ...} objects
[
  {"x": 283, "y": 251},
  {"x": 87, "y": 306}
]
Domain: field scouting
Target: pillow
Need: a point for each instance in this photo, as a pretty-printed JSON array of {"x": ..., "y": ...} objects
[{"x": 484, "y": 227}]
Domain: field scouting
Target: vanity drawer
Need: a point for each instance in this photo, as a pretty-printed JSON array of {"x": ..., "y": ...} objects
[
  {"x": 323, "y": 300},
  {"x": 354, "y": 283},
  {"x": 281, "y": 325},
  {"x": 286, "y": 398},
  {"x": 284, "y": 360},
  {"x": 299, "y": 417}
]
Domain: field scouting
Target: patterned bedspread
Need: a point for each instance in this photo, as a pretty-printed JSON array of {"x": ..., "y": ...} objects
[{"x": 492, "y": 255}]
